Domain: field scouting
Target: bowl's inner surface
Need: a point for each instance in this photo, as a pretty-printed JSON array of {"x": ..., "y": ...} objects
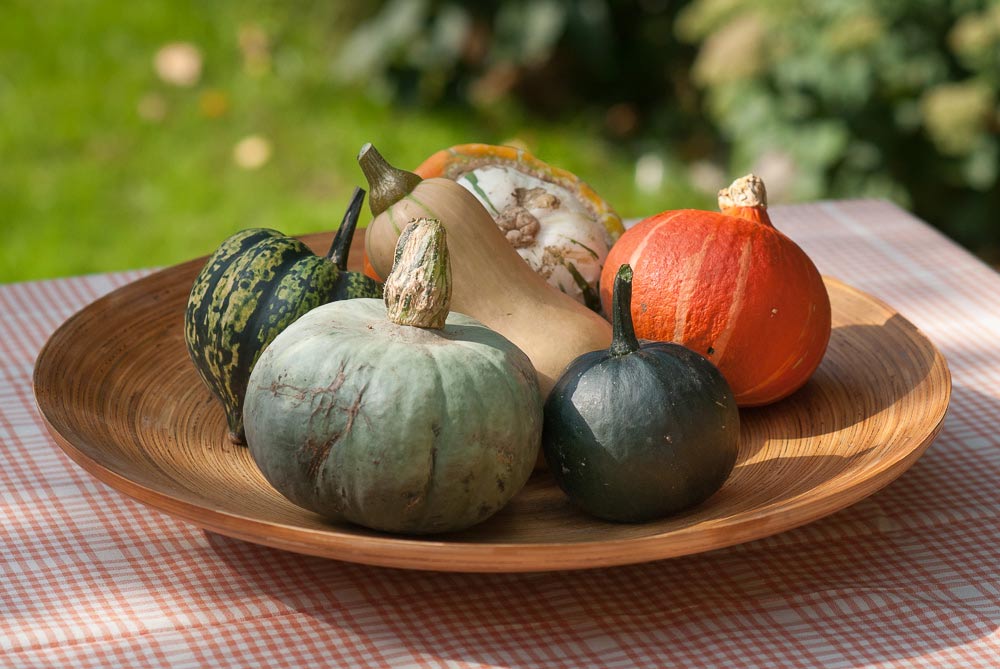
[{"x": 117, "y": 384}]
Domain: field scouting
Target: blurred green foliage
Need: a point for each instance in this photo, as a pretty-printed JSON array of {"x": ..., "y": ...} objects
[
  {"x": 108, "y": 165},
  {"x": 895, "y": 99},
  {"x": 853, "y": 98}
]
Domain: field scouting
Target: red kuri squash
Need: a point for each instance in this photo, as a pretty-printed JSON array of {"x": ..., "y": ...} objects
[{"x": 731, "y": 287}]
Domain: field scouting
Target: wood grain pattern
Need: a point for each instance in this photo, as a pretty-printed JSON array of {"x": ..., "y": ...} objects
[{"x": 120, "y": 396}]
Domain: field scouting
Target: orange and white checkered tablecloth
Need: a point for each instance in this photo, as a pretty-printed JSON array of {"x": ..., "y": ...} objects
[{"x": 907, "y": 578}]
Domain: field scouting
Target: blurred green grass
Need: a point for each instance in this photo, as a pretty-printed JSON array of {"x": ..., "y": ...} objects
[{"x": 88, "y": 185}]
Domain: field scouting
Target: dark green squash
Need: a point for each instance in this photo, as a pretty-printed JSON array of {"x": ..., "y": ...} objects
[
  {"x": 641, "y": 430},
  {"x": 254, "y": 286}
]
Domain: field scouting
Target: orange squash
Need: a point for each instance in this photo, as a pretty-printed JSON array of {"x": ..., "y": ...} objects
[{"x": 731, "y": 287}]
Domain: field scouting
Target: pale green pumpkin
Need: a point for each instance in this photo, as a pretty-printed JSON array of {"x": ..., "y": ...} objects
[{"x": 402, "y": 428}]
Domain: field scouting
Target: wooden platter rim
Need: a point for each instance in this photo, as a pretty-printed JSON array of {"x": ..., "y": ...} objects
[{"x": 438, "y": 555}]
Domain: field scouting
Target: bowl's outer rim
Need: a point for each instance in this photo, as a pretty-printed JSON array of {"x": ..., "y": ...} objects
[{"x": 436, "y": 555}]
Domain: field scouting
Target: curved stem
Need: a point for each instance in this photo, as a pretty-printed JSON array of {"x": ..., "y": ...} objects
[
  {"x": 418, "y": 290},
  {"x": 341, "y": 245},
  {"x": 623, "y": 340},
  {"x": 388, "y": 184}
]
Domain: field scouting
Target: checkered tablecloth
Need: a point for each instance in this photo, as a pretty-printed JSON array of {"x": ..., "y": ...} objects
[{"x": 908, "y": 577}]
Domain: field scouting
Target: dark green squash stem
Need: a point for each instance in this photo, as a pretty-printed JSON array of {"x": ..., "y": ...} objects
[
  {"x": 623, "y": 340},
  {"x": 388, "y": 184},
  {"x": 341, "y": 245}
]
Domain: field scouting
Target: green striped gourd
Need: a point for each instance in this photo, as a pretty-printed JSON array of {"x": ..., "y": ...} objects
[{"x": 257, "y": 283}]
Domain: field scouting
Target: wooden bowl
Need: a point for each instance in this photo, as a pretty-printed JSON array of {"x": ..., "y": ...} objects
[{"x": 121, "y": 397}]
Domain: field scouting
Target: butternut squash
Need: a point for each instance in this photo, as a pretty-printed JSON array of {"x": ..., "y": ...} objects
[{"x": 491, "y": 282}]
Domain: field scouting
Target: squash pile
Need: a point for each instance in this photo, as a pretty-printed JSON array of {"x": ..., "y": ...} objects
[{"x": 421, "y": 407}]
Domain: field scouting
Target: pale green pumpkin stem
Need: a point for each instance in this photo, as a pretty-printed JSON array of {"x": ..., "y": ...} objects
[
  {"x": 388, "y": 184},
  {"x": 418, "y": 290},
  {"x": 341, "y": 245},
  {"x": 623, "y": 340}
]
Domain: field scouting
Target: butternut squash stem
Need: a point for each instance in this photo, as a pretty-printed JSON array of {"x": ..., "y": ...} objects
[
  {"x": 341, "y": 245},
  {"x": 418, "y": 290},
  {"x": 623, "y": 340},
  {"x": 388, "y": 184}
]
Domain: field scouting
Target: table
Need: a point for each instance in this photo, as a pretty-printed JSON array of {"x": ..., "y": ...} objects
[{"x": 908, "y": 577}]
